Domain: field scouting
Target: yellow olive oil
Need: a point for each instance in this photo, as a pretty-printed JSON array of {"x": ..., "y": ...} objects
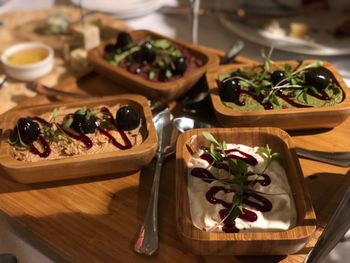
[{"x": 28, "y": 56}]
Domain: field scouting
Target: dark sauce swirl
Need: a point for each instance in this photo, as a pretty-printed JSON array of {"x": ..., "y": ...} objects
[
  {"x": 44, "y": 144},
  {"x": 108, "y": 115}
]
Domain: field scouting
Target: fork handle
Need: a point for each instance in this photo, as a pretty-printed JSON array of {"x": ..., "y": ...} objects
[
  {"x": 336, "y": 228},
  {"x": 147, "y": 240},
  {"x": 336, "y": 158}
]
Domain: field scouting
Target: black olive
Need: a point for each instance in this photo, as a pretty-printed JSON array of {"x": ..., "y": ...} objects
[
  {"x": 27, "y": 129},
  {"x": 147, "y": 46},
  {"x": 180, "y": 66},
  {"x": 148, "y": 53},
  {"x": 229, "y": 89},
  {"x": 127, "y": 118},
  {"x": 123, "y": 40},
  {"x": 84, "y": 124},
  {"x": 319, "y": 77},
  {"x": 162, "y": 74},
  {"x": 110, "y": 48},
  {"x": 277, "y": 76}
]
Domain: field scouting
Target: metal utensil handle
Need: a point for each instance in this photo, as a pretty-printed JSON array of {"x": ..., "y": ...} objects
[
  {"x": 334, "y": 231},
  {"x": 147, "y": 240},
  {"x": 194, "y": 17},
  {"x": 337, "y": 158},
  {"x": 234, "y": 50}
]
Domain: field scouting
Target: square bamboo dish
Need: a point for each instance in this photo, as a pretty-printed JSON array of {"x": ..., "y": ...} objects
[
  {"x": 257, "y": 243},
  {"x": 288, "y": 119},
  {"x": 164, "y": 91},
  {"x": 86, "y": 165}
]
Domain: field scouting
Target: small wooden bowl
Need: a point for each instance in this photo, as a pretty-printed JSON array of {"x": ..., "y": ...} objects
[
  {"x": 257, "y": 243},
  {"x": 80, "y": 166},
  {"x": 288, "y": 119},
  {"x": 164, "y": 91}
]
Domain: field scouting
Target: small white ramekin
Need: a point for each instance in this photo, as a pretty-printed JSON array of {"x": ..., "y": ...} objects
[{"x": 28, "y": 72}]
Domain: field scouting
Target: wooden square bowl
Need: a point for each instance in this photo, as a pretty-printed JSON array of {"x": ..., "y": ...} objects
[
  {"x": 164, "y": 91},
  {"x": 288, "y": 119},
  {"x": 86, "y": 165},
  {"x": 281, "y": 242}
]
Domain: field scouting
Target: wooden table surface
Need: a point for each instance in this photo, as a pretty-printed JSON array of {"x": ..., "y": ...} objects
[{"x": 97, "y": 219}]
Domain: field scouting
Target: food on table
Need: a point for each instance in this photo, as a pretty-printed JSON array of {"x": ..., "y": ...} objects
[
  {"x": 274, "y": 28},
  {"x": 151, "y": 58},
  {"x": 238, "y": 188},
  {"x": 73, "y": 132},
  {"x": 306, "y": 86},
  {"x": 28, "y": 56},
  {"x": 56, "y": 24},
  {"x": 298, "y": 30},
  {"x": 78, "y": 62},
  {"x": 85, "y": 36}
]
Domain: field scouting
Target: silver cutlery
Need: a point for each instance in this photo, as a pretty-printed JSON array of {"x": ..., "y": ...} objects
[
  {"x": 3, "y": 81},
  {"x": 147, "y": 240},
  {"x": 335, "y": 230},
  {"x": 336, "y": 158},
  {"x": 48, "y": 91}
]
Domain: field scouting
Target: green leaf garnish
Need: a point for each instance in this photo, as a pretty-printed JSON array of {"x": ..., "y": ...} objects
[
  {"x": 81, "y": 111},
  {"x": 54, "y": 114},
  {"x": 210, "y": 137},
  {"x": 168, "y": 74},
  {"x": 269, "y": 155},
  {"x": 151, "y": 74},
  {"x": 162, "y": 43},
  {"x": 67, "y": 123}
]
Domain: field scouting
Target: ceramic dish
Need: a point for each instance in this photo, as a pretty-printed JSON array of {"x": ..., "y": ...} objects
[
  {"x": 272, "y": 242},
  {"x": 289, "y": 119},
  {"x": 77, "y": 166},
  {"x": 321, "y": 40},
  {"x": 164, "y": 91},
  {"x": 28, "y": 71}
]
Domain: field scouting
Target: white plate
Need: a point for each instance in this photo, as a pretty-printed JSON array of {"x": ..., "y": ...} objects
[
  {"x": 5, "y": 5},
  {"x": 321, "y": 25},
  {"x": 122, "y": 8}
]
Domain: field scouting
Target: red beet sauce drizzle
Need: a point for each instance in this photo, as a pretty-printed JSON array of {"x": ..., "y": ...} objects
[
  {"x": 44, "y": 144},
  {"x": 251, "y": 199},
  {"x": 80, "y": 137},
  {"x": 127, "y": 142},
  {"x": 42, "y": 141}
]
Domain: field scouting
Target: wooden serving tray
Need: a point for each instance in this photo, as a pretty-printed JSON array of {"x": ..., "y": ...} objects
[
  {"x": 254, "y": 243},
  {"x": 288, "y": 119},
  {"x": 87, "y": 165},
  {"x": 160, "y": 91}
]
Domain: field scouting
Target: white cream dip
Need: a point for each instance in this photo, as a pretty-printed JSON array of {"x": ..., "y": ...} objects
[{"x": 205, "y": 215}]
